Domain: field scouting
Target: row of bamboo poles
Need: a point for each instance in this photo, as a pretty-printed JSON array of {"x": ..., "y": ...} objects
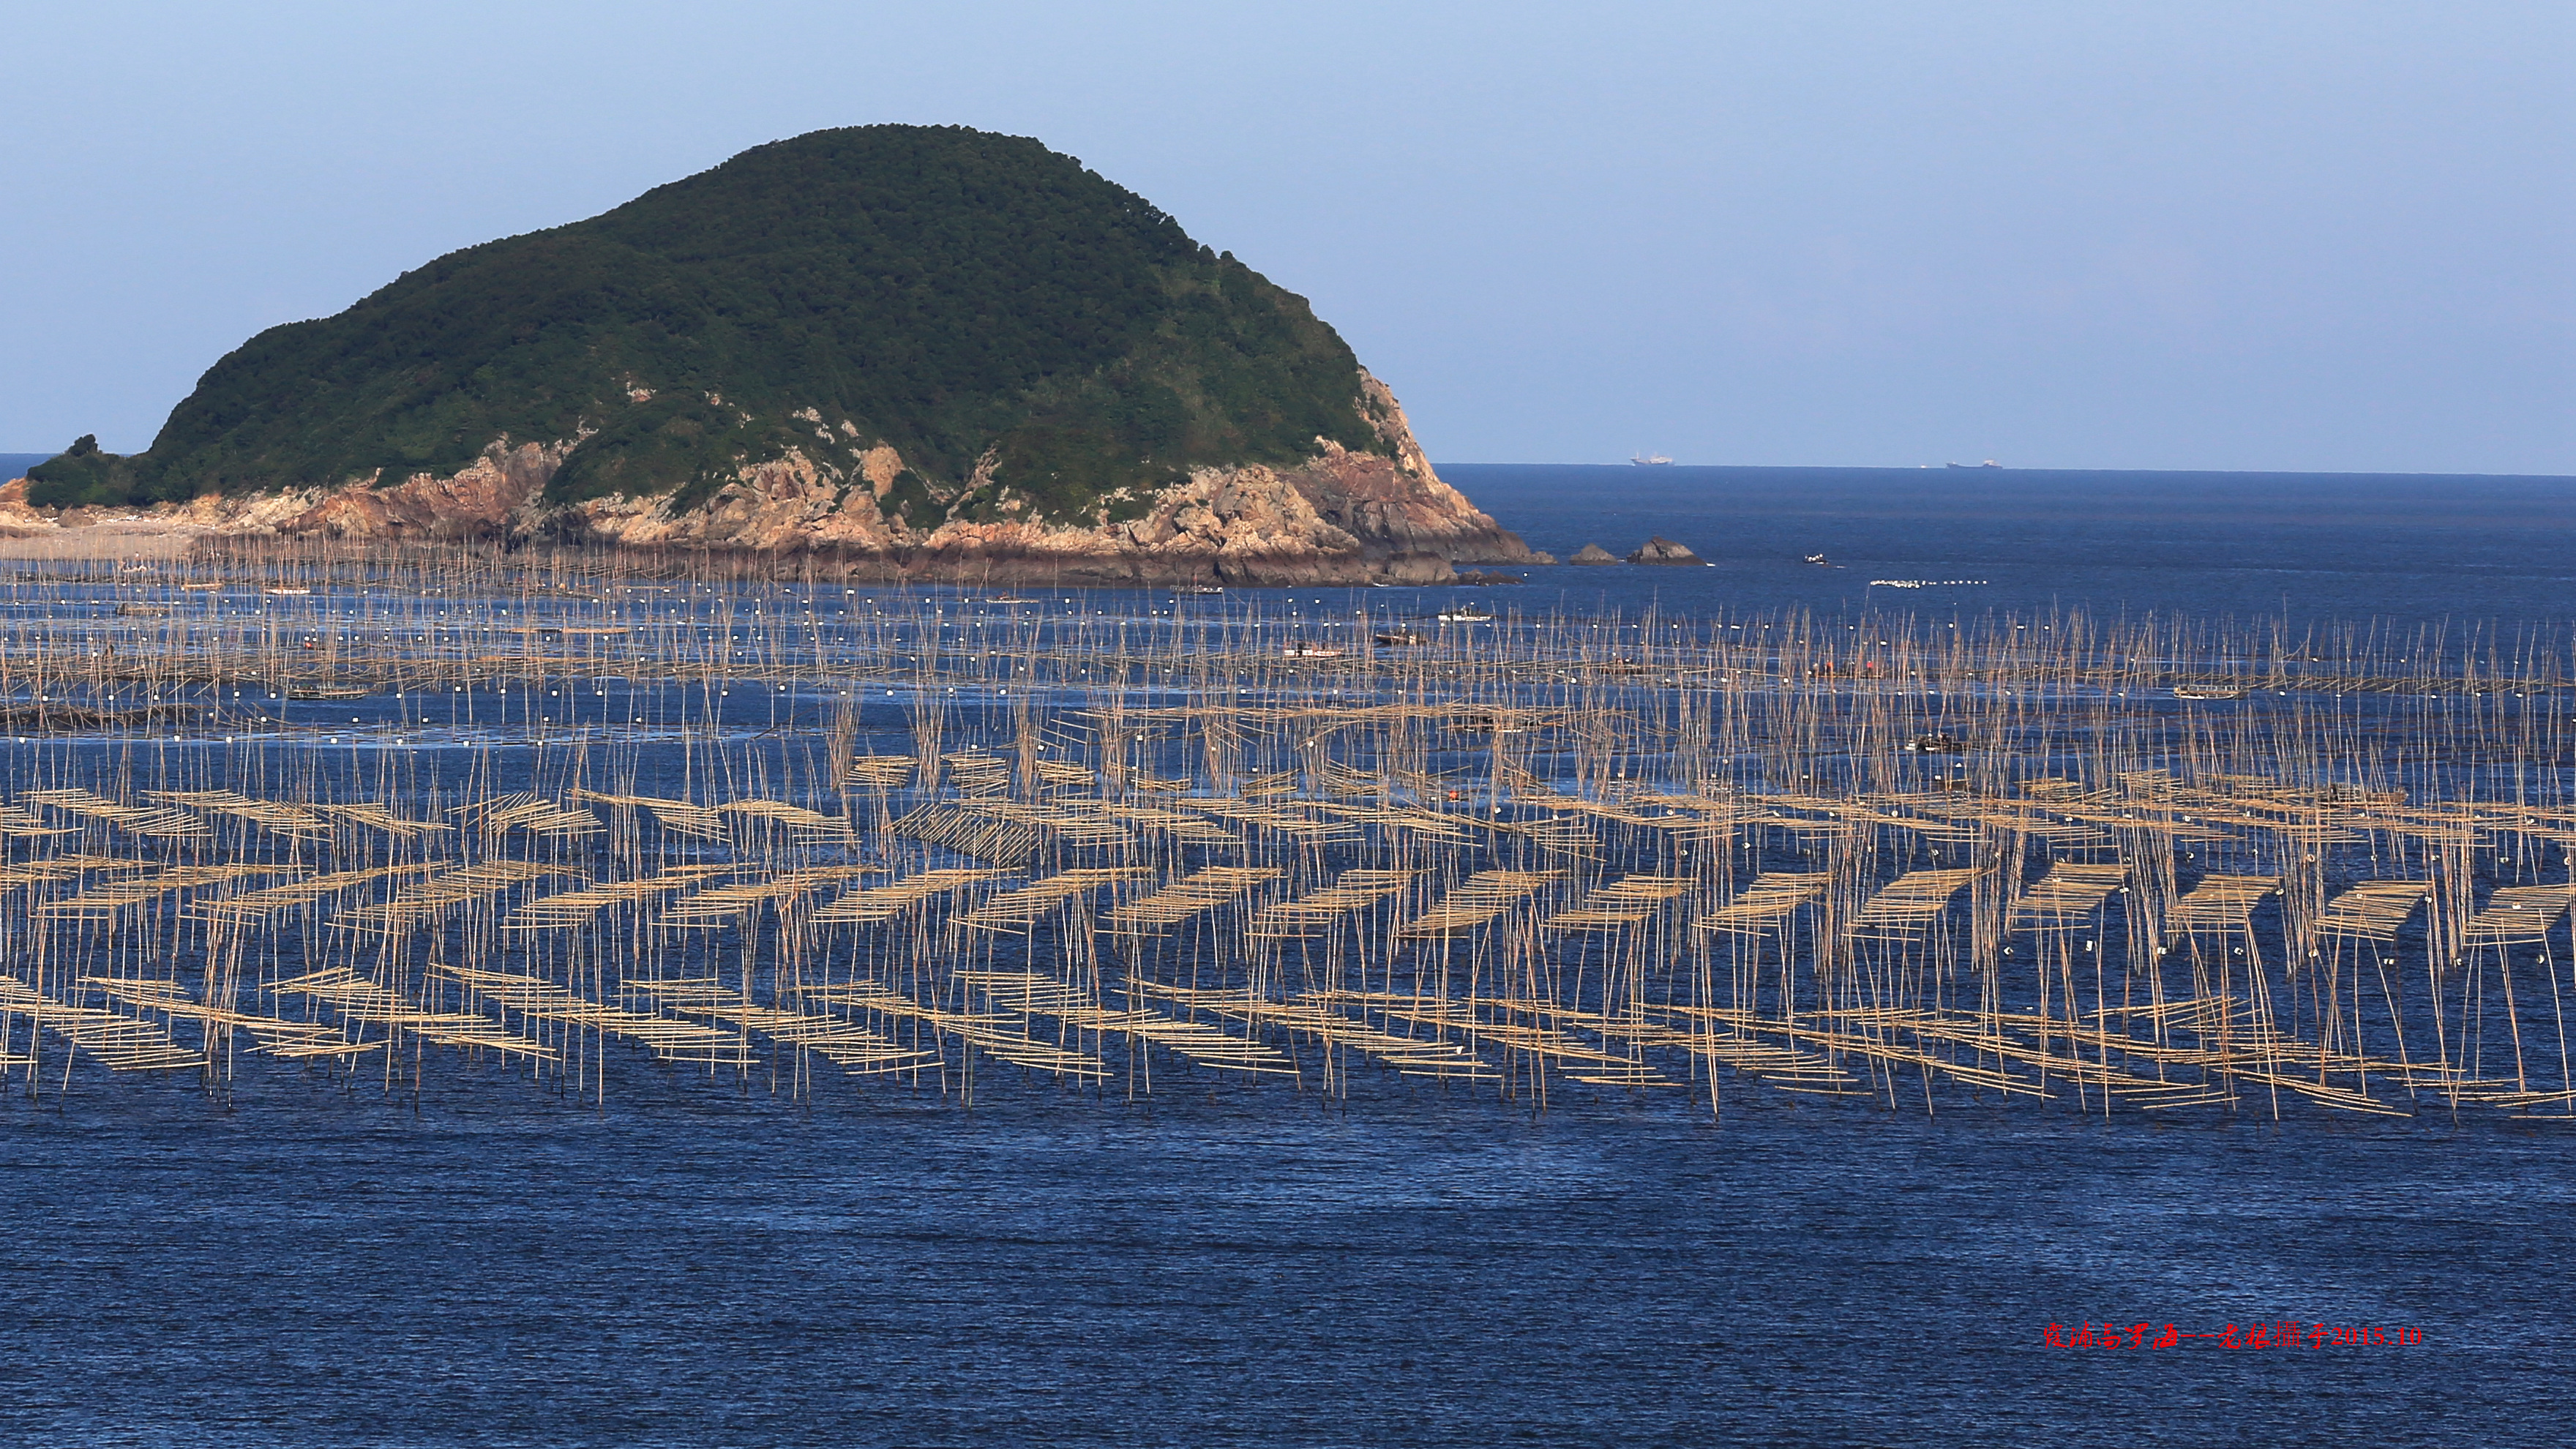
[{"x": 568, "y": 818}]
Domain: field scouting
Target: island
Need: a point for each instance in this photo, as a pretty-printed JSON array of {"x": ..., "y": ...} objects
[{"x": 885, "y": 352}]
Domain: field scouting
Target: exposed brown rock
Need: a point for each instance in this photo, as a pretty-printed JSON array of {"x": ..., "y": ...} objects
[
  {"x": 1593, "y": 553},
  {"x": 1661, "y": 550},
  {"x": 1399, "y": 502},
  {"x": 1336, "y": 517},
  {"x": 17, "y": 520}
]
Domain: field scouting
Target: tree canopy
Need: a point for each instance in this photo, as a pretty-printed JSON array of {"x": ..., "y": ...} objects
[{"x": 954, "y": 293}]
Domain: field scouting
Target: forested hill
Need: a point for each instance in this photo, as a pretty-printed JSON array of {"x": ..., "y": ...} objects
[{"x": 967, "y": 298}]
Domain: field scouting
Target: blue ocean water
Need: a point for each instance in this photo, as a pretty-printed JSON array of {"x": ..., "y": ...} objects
[
  {"x": 693, "y": 1268},
  {"x": 2410, "y": 549},
  {"x": 699, "y": 1262}
]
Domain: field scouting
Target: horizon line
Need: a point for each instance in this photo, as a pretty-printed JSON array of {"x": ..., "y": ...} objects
[
  {"x": 42, "y": 455},
  {"x": 1981, "y": 469}
]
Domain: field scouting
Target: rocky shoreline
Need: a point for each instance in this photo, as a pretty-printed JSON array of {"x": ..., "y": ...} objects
[{"x": 1336, "y": 517}]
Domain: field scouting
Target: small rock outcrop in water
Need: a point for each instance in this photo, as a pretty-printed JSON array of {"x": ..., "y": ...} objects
[
  {"x": 1593, "y": 553},
  {"x": 890, "y": 351},
  {"x": 1661, "y": 550}
]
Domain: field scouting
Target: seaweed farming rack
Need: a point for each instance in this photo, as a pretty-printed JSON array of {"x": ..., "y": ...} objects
[{"x": 564, "y": 822}]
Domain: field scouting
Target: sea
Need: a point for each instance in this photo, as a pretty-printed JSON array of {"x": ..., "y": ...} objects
[
  {"x": 308, "y": 1260},
  {"x": 2411, "y": 550}
]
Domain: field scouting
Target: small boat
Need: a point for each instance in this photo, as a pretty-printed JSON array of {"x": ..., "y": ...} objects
[
  {"x": 1010, "y": 599},
  {"x": 141, "y": 611},
  {"x": 1820, "y": 561},
  {"x": 287, "y": 593},
  {"x": 1312, "y": 651},
  {"x": 2206, "y": 691},
  {"x": 1941, "y": 743},
  {"x": 200, "y": 588},
  {"x": 1466, "y": 614},
  {"x": 1401, "y": 638},
  {"x": 1200, "y": 589},
  {"x": 329, "y": 691}
]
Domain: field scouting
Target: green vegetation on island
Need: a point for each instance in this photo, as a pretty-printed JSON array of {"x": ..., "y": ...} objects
[{"x": 971, "y": 299}]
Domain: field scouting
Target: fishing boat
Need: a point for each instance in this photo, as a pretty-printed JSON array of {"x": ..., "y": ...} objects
[
  {"x": 2206, "y": 691},
  {"x": 1401, "y": 638},
  {"x": 287, "y": 593},
  {"x": 1466, "y": 614},
  {"x": 329, "y": 691},
  {"x": 1820, "y": 561},
  {"x": 1311, "y": 651},
  {"x": 1200, "y": 589}
]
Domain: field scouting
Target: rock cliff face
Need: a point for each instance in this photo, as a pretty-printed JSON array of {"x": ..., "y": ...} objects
[{"x": 1337, "y": 517}]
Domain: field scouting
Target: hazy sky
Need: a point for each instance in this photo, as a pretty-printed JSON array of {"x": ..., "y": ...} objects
[{"x": 2167, "y": 235}]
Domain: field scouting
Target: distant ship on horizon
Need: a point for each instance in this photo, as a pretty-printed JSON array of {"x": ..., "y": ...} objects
[
  {"x": 1650, "y": 460},
  {"x": 1989, "y": 463}
]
